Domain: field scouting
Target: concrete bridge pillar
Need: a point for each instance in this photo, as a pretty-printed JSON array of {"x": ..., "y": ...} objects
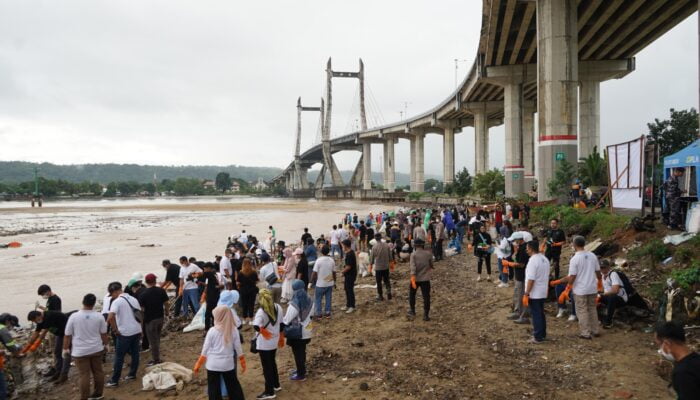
[
  {"x": 513, "y": 118},
  {"x": 412, "y": 185},
  {"x": 419, "y": 162},
  {"x": 389, "y": 172},
  {"x": 557, "y": 64},
  {"x": 367, "y": 166},
  {"x": 589, "y": 117},
  {"x": 481, "y": 137},
  {"x": 529, "y": 148},
  {"x": 448, "y": 159}
]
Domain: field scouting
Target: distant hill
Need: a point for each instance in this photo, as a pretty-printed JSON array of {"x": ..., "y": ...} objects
[{"x": 20, "y": 171}]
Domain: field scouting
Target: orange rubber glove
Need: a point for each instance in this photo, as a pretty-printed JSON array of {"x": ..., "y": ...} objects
[
  {"x": 243, "y": 367},
  {"x": 265, "y": 333},
  {"x": 505, "y": 269},
  {"x": 600, "y": 284},
  {"x": 564, "y": 296},
  {"x": 370, "y": 268},
  {"x": 413, "y": 282},
  {"x": 200, "y": 361},
  {"x": 557, "y": 244},
  {"x": 554, "y": 283},
  {"x": 32, "y": 347},
  {"x": 280, "y": 342},
  {"x": 526, "y": 300}
]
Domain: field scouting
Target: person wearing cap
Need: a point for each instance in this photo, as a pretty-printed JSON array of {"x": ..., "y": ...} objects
[
  {"x": 519, "y": 263},
  {"x": 421, "y": 263},
  {"x": 440, "y": 235},
  {"x": 380, "y": 256},
  {"x": 585, "y": 279},
  {"x": 86, "y": 340},
  {"x": 7, "y": 322},
  {"x": 672, "y": 195},
  {"x": 153, "y": 300}
]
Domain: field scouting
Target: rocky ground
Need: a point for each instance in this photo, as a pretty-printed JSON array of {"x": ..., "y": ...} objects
[{"x": 468, "y": 351}]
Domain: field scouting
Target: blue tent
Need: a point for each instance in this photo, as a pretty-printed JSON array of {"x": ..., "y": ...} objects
[{"x": 688, "y": 158}]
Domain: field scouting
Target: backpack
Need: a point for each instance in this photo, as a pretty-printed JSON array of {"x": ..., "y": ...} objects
[{"x": 625, "y": 283}]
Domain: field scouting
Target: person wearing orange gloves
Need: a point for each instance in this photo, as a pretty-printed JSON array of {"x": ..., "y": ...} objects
[
  {"x": 267, "y": 324},
  {"x": 586, "y": 281},
  {"x": 222, "y": 346},
  {"x": 555, "y": 240},
  {"x": 421, "y": 269},
  {"x": 536, "y": 280}
]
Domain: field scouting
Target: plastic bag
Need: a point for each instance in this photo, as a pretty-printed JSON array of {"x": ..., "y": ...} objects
[{"x": 197, "y": 323}]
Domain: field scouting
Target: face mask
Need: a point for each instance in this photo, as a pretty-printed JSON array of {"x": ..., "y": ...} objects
[
  {"x": 667, "y": 356},
  {"x": 45, "y": 296}
]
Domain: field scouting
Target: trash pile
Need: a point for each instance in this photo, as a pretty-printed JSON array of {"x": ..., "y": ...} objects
[{"x": 23, "y": 374}]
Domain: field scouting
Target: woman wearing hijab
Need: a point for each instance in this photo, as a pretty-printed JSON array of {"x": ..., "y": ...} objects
[
  {"x": 267, "y": 323},
  {"x": 290, "y": 273},
  {"x": 221, "y": 347},
  {"x": 299, "y": 312},
  {"x": 229, "y": 298},
  {"x": 302, "y": 268}
]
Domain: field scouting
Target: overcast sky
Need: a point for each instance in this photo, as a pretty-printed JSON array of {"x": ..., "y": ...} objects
[{"x": 181, "y": 82}]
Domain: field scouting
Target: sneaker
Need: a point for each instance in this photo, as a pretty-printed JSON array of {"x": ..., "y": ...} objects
[
  {"x": 572, "y": 318},
  {"x": 411, "y": 313},
  {"x": 607, "y": 326},
  {"x": 587, "y": 337},
  {"x": 488, "y": 278},
  {"x": 153, "y": 362},
  {"x": 96, "y": 397},
  {"x": 278, "y": 388},
  {"x": 145, "y": 350},
  {"x": 129, "y": 378},
  {"x": 502, "y": 285},
  {"x": 513, "y": 316},
  {"x": 343, "y": 308},
  {"x": 297, "y": 378},
  {"x": 111, "y": 384},
  {"x": 350, "y": 310},
  {"x": 292, "y": 372},
  {"x": 478, "y": 279},
  {"x": 263, "y": 396},
  {"x": 426, "y": 318},
  {"x": 327, "y": 316},
  {"x": 379, "y": 298},
  {"x": 535, "y": 341},
  {"x": 561, "y": 313},
  {"x": 522, "y": 321}
]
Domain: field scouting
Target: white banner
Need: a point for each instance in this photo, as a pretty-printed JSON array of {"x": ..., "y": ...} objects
[{"x": 626, "y": 170}]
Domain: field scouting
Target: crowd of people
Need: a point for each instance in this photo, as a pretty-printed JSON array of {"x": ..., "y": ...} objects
[{"x": 282, "y": 289}]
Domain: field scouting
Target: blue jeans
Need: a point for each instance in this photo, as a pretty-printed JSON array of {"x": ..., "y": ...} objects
[
  {"x": 503, "y": 277},
  {"x": 3, "y": 386},
  {"x": 558, "y": 290},
  {"x": 539, "y": 323},
  {"x": 190, "y": 296},
  {"x": 130, "y": 345},
  {"x": 335, "y": 248},
  {"x": 323, "y": 292}
]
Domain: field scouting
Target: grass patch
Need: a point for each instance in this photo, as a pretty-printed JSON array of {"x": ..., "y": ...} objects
[
  {"x": 655, "y": 251},
  {"x": 688, "y": 277},
  {"x": 581, "y": 221}
]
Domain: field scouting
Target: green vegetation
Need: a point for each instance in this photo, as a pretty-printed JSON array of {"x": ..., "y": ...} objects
[
  {"x": 675, "y": 133},
  {"x": 593, "y": 171},
  {"x": 655, "y": 251},
  {"x": 433, "y": 186},
  {"x": 564, "y": 176},
  {"x": 462, "y": 185},
  {"x": 415, "y": 196},
  {"x": 490, "y": 184},
  {"x": 688, "y": 277},
  {"x": 52, "y": 188},
  {"x": 599, "y": 223},
  {"x": 223, "y": 181}
]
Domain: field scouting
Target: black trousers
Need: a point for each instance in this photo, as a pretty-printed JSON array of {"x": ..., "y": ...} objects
[
  {"x": 248, "y": 302},
  {"x": 299, "y": 350},
  {"x": 437, "y": 249},
  {"x": 554, "y": 261},
  {"x": 233, "y": 387},
  {"x": 425, "y": 291},
  {"x": 484, "y": 258},
  {"x": 269, "y": 367},
  {"x": 382, "y": 276},
  {"x": 612, "y": 303},
  {"x": 209, "y": 314},
  {"x": 349, "y": 286}
]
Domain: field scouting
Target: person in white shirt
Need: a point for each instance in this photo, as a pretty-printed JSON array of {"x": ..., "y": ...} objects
[
  {"x": 334, "y": 235},
  {"x": 226, "y": 269},
  {"x": 299, "y": 314},
  {"x": 122, "y": 319},
  {"x": 189, "y": 272},
  {"x": 536, "y": 279},
  {"x": 504, "y": 251},
  {"x": 270, "y": 275},
  {"x": 86, "y": 340},
  {"x": 267, "y": 323},
  {"x": 243, "y": 238},
  {"x": 614, "y": 295},
  {"x": 585, "y": 279},
  {"x": 222, "y": 345},
  {"x": 323, "y": 276}
]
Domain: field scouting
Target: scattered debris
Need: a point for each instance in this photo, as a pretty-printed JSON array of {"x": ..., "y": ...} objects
[
  {"x": 80, "y": 253},
  {"x": 678, "y": 239}
]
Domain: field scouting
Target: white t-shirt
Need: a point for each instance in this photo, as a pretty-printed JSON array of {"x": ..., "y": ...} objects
[
  {"x": 613, "y": 279},
  {"x": 584, "y": 265},
  {"x": 324, "y": 268},
  {"x": 220, "y": 355},
  {"x": 122, "y": 309},
  {"x": 261, "y": 320},
  {"x": 335, "y": 237},
  {"x": 184, "y": 272},
  {"x": 105, "y": 304},
  {"x": 86, "y": 328},
  {"x": 527, "y": 236},
  {"x": 266, "y": 270},
  {"x": 224, "y": 266},
  {"x": 538, "y": 270},
  {"x": 343, "y": 234},
  {"x": 504, "y": 249}
]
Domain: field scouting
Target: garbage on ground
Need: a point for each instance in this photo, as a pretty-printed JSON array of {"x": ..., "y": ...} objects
[
  {"x": 692, "y": 219},
  {"x": 593, "y": 246},
  {"x": 197, "y": 323},
  {"x": 679, "y": 238},
  {"x": 167, "y": 375}
]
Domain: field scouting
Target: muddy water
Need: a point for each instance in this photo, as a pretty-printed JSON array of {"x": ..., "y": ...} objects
[{"x": 123, "y": 237}]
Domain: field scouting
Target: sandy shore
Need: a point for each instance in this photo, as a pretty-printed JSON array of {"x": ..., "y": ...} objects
[{"x": 122, "y": 239}]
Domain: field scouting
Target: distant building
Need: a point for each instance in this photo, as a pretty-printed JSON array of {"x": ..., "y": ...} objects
[
  {"x": 260, "y": 185},
  {"x": 235, "y": 186},
  {"x": 209, "y": 184}
]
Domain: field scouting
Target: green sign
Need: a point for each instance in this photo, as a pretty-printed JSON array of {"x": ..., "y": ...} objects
[
  {"x": 559, "y": 156},
  {"x": 516, "y": 176}
]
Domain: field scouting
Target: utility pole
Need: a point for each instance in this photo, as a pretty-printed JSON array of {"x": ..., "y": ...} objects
[{"x": 36, "y": 197}]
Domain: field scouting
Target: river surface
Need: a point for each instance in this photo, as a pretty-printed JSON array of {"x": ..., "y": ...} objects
[{"x": 123, "y": 236}]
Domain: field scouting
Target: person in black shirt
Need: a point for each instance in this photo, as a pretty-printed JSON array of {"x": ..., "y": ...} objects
[
  {"x": 483, "y": 247},
  {"x": 54, "y": 322},
  {"x": 305, "y": 237},
  {"x": 153, "y": 299},
  {"x": 521, "y": 259},
  {"x": 350, "y": 274},
  {"x": 53, "y": 302},
  {"x": 555, "y": 239},
  {"x": 212, "y": 291},
  {"x": 248, "y": 289},
  {"x": 685, "y": 378},
  {"x": 302, "y": 267},
  {"x": 363, "y": 236},
  {"x": 172, "y": 278}
]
